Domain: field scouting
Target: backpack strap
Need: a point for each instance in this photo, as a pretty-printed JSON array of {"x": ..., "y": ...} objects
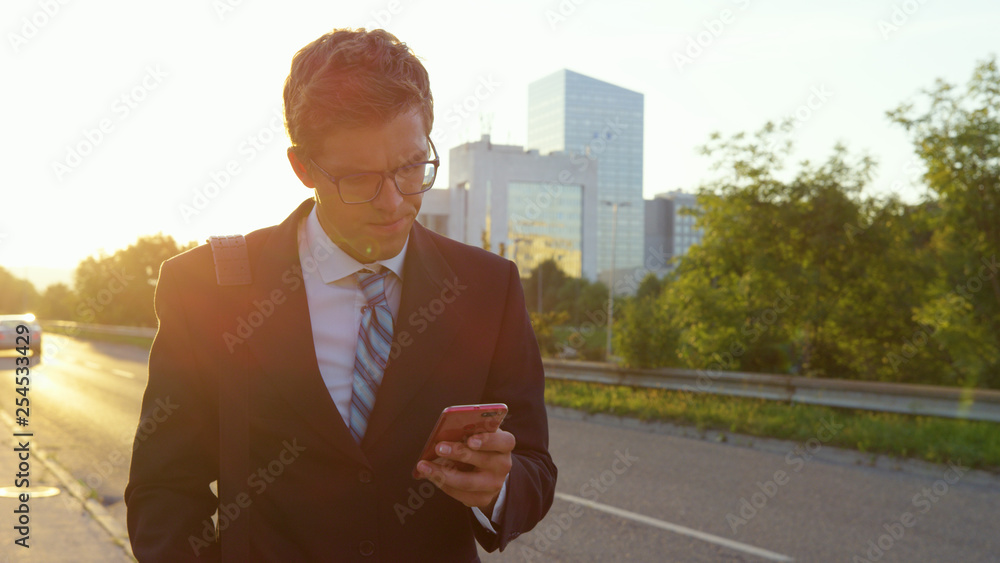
[
  {"x": 232, "y": 263},
  {"x": 235, "y": 502},
  {"x": 232, "y": 267}
]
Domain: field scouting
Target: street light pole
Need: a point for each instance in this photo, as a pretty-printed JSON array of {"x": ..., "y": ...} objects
[
  {"x": 516, "y": 242},
  {"x": 540, "y": 271},
  {"x": 611, "y": 286}
]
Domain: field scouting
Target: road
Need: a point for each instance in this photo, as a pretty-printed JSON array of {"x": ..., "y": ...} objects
[{"x": 627, "y": 491}]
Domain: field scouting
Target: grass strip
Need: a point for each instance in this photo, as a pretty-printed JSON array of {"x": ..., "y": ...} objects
[{"x": 934, "y": 439}]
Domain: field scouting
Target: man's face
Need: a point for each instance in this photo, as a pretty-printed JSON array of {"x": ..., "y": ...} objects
[{"x": 378, "y": 229}]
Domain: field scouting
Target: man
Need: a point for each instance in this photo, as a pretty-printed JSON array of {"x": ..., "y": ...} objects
[{"x": 299, "y": 393}]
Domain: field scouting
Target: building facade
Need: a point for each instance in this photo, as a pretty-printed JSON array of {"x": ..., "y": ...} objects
[
  {"x": 602, "y": 125},
  {"x": 669, "y": 227},
  {"x": 522, "y": 204},
  {"x": 659, "y": 231}
]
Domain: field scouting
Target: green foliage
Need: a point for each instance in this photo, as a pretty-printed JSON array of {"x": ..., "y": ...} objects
[
  {"x": 957, "y": 136},
  {"x": 582, "y": 306},
  {"x": 118, "y": 289},
  {"x": 544, "y": 326},
  {"x": 57, "y": 303},
  {"x": 764, "y": 289},
  {"x": 931, "y": 439},
  {"x": 802, "y": 273},
  {"x": 649, "y": 287},
  {"x": 545, "y": 280},
  {"x": 644, "y": 334},
  {"x": 17, "y": 296}
]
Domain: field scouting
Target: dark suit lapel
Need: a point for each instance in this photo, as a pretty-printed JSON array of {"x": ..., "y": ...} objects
[
  {"x": 424, "y": 275},
  {"x": 283, "y": 343}
]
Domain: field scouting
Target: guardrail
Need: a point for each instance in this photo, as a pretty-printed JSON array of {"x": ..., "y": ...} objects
[
  {"x": 930, "y": 400},
  {"x": 139, "y": 331},
  {"x": 950, "y": 402}
]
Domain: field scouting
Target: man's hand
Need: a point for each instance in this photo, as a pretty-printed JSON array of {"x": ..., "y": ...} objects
[{"x": 489, "y": 456}]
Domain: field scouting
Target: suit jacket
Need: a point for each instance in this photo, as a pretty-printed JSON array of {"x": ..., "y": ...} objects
[{"x": 235, "y": 395}]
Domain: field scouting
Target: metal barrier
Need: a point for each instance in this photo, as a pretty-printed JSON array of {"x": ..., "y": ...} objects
[
  {"x": 930, "y": 400},
  {"x": 950, "y": 402},
  {"x": 143, "y": 332}
]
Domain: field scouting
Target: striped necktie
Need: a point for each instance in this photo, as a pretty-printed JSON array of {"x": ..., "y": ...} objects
[{"x": 372, "y": 352}]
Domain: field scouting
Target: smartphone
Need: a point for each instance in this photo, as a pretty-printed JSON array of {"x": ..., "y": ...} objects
[{"x": 459, "y": 422}]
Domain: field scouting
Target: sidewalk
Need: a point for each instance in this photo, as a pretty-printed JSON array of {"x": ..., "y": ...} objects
[{"x": 61, "y": 527}]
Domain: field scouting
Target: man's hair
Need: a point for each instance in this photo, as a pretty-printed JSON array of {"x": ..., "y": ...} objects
[{"x": 353, "y": 78}]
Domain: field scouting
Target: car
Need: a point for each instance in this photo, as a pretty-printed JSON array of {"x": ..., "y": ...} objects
[{"x": 9, "y": 334}]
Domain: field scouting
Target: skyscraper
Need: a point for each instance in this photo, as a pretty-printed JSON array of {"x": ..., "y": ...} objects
[{"x": 603, "y": 124}]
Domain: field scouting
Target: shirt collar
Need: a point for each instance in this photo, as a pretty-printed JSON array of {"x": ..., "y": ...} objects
[{"x": 332, "y": 262}]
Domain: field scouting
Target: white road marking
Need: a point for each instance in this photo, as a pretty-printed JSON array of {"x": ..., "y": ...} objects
[
  {"x": 677, "y": 529},
  {"x": 123, "y": 373}
]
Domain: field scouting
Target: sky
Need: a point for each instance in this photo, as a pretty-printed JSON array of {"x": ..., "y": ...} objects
[{"x": 125, "y": 119}]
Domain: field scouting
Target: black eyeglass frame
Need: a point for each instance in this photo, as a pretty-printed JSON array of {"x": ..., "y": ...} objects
[{"x": 390, "y": 174}]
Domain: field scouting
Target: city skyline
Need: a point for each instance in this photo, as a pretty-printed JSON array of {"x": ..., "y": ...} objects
[
  {"x": 121, "y": 129},
  {"x": 602, "y": 124}
]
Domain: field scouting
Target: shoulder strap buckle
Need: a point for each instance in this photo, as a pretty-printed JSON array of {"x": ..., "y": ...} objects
[{"x": 232, "y": 263}]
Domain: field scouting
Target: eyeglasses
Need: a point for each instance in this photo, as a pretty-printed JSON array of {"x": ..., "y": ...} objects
[{"x": 410, "y": 179}]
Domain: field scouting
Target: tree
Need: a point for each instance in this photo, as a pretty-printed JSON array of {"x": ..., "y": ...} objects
[
  {"x": 650, "y": 286},
  {"x": 544, "y": 325},
  {"x": 118, "y": 289},
  {"x": 57, "y": 302},
  {"x": 956, "y": 133},
  {"x": 551, "y": 278},
  {"x": 803, "y": 273},
  {"x": 17, "y": 295},
  {"x": 644, "y": 335},
  {"x": 795, "y": 274}
]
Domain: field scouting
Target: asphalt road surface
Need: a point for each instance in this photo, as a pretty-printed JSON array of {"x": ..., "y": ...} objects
[{"x": 627, "y": 491}]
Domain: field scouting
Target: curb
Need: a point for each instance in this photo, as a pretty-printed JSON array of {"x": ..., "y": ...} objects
[{"x": 118, "y": 532}]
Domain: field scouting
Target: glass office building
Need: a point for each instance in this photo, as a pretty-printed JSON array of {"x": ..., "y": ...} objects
[
  {"x": 522, "y": 204},
  {"x": 553, "y": 231},
  {"x": 603, "y": 125}
]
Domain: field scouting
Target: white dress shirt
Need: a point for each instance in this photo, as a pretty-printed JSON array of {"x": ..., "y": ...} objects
[{"x": 335, "y": 301}]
